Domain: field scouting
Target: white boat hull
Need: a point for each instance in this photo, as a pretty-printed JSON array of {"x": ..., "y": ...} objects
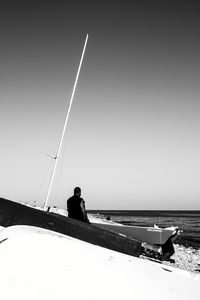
[{"x": 150, "y": 235}]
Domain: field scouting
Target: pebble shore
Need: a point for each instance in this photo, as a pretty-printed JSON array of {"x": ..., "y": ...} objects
[{"x": 186, "y": 258}]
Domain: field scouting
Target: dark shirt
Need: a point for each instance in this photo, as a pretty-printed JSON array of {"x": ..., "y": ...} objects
[{"x": 74, "y": 208}]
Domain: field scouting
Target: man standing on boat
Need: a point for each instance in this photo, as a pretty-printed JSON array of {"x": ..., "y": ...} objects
[{"x": 76, "y": 206}]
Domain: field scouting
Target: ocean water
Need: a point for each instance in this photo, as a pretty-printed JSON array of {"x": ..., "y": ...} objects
[{"x": 187, "y": 221}]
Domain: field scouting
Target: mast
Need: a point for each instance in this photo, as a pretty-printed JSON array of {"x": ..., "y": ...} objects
[{"x": 65, "y": 125}]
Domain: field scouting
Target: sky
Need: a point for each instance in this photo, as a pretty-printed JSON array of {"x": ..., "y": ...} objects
[{"x": 132, "y": 140}]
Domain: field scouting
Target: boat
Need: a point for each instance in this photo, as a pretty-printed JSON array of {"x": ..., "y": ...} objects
[
  {"x": 151, "y": 235},
  {"x": 156, "y": 242}
]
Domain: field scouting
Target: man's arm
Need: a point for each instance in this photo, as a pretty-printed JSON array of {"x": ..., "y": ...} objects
[{"x": 82, "y": 204}]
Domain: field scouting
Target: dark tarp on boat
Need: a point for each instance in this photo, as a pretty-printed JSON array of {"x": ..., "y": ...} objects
[{"x": 12, "y": 213}]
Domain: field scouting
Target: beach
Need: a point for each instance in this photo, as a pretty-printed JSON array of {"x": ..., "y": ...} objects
[{"x": 187, "y": 258}]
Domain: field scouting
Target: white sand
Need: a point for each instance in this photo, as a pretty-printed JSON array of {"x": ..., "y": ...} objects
[{"x": 40, "y": 264}]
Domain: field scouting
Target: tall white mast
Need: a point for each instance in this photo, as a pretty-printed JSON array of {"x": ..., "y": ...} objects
[{"x": 65, "y": 124}]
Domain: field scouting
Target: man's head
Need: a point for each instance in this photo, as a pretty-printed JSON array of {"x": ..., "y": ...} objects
[{"x": 77, "y": 191}]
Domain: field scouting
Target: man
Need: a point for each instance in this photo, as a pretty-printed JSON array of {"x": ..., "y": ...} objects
[{"x": 76, "y": 206}]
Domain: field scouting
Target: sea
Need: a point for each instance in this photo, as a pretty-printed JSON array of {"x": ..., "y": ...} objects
[{"x": 187, "y": 221}]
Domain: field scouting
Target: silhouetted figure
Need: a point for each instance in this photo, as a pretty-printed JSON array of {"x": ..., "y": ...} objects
[
  {"x": 76, "y": 206},
  {"x": 168, "y": 250}
]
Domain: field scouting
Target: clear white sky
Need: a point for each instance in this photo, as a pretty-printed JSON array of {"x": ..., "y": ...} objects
[{"x": 133, "y": 136}]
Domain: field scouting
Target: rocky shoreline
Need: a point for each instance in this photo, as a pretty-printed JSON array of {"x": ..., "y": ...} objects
[{"x": 186, "y": 258}]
